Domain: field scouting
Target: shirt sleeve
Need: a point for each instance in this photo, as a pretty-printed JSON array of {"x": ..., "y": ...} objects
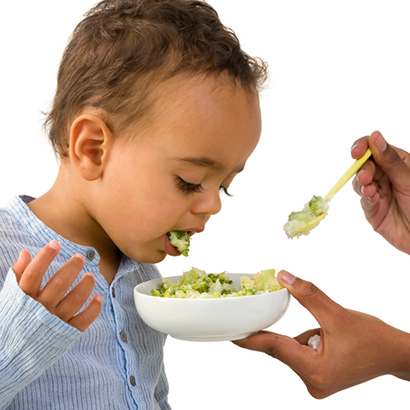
[{"x": 31, "y": 339}]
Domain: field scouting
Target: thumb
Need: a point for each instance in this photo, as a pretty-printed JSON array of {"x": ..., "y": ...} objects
[
  {"x": 312, "y": 298},
  {"x": 389, "y": 160}
]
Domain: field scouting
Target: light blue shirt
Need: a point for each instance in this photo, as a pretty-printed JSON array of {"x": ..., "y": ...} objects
[{"x": 46, "y": 364}]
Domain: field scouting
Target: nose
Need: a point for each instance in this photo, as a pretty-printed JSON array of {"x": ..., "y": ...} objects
[{"x": 207, "y": 204}]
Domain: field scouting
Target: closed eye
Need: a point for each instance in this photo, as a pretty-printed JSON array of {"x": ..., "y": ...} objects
[
  {"x": 196, "y": 188},
  {"x": 225, "y": 190},
  {"x": 188, "y": 186}
]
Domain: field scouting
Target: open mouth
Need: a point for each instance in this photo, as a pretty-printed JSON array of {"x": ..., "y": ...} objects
[{"x": 180, "y": 240}]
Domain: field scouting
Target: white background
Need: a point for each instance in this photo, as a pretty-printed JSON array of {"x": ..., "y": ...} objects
[{"x": 338, "y": 71}]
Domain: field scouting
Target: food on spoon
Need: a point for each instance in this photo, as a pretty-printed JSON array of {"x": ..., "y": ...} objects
[
  {"x": 298, "y": 221},
  {"x": 180, "y": 240},
  {"x": 197, "y": 284}
]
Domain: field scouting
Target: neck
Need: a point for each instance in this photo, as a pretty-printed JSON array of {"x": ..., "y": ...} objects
[{"x": 63, "y": 210}]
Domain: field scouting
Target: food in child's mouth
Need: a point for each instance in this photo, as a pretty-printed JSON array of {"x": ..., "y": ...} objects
[
  {"x": 197, "y": 284},
  {"x": 180, "y": 240}
]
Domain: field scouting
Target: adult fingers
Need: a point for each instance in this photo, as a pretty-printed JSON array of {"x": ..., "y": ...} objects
[
  {"x": 283, "y": 348},
  {"x": 84, "y": 319},
  {"x": 389, "y": 160},
  {"x": 366, "y": 181},
  {"x": 359, "y": 147},
  {"x": 30, "y": 279},
  {"x": 305, "y": 336}
]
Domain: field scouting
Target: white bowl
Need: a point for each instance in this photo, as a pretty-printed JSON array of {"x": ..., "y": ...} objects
[{"x": 213, "y": 319}]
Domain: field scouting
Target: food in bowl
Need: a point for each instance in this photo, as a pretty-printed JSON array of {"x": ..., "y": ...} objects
[
  {"x": 207, "y": 319},
  {"x": 197, "y": 283}
]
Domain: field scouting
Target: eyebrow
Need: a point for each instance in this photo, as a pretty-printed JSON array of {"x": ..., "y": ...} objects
[{"x": 205, "y": 162}]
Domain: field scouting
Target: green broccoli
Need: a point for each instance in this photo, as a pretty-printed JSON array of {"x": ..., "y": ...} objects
[
  {"x": 180, "y": 240},
  {"x": 298, "y": 222},
  {"x": 318, "y": 205},
  {"x": 201, "y": 287},
  {"x": 222, "y": 278},
  {"x": 197, "y": 284},
  {"x": 248, "y": 290}
]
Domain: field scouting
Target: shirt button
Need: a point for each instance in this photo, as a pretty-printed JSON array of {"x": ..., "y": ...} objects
[
  {"x": 113, "y": 292},
  {"x": 91, "y": 254},
  {"x": 123, "y": 336},
  {"x": 132, "y": 381}
]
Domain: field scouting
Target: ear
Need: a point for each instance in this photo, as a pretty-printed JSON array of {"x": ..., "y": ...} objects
[{"x": 90, "y": 140}]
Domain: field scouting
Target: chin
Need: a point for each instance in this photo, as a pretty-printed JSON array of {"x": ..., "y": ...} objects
[{"x": 156, "y": 258}]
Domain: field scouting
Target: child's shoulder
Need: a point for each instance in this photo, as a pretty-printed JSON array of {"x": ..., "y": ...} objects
[{"x": 13, "y": 234}]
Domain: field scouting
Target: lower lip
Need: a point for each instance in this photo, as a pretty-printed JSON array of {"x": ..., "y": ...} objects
[{"x": 168, "y": 248}]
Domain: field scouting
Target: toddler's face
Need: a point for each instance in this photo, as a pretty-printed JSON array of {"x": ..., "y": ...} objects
[{"x": 169, "y": 176}]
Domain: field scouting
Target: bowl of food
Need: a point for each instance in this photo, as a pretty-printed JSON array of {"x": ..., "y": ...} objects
[{"x": 212, "y": 307}]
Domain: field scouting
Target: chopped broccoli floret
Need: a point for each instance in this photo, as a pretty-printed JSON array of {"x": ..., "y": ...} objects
[
  {"x": 197, "y": 284},
  {"x": 222, "y": 279},
  {"x": 317, "y": 205},
  {"x": 297, "y": 223},
  {"x": 180, "y": 240},
  {"x": 201, "y": 287}
]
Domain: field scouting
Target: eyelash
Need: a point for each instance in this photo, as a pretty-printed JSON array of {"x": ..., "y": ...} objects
[{"x": 188, "y": 187}]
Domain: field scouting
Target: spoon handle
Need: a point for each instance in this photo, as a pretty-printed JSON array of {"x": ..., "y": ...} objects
[{"x": 349, "y": 173}]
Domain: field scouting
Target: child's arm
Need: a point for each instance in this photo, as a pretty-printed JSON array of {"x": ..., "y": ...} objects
[
  {"x": 354, "y": 347},
  {"x": 384, "y": 185},
  {"x": 31, "y": 338}
]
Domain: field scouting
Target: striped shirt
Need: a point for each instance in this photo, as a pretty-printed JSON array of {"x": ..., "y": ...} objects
[{"x": 46, "y": 364}]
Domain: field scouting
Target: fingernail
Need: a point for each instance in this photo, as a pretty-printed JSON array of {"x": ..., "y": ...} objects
[
  {"x": 90, "y": 275},
  {"x": 287, "y": 277},
  {"x": 381, "y": 143},
  {"x": 79, "y": 256},
  {"x": 353, "y": 147},
  {"x": 54, "y": 245}
]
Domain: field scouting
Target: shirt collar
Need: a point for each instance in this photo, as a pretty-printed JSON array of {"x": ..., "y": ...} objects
[{"x": 43, "y": 234}]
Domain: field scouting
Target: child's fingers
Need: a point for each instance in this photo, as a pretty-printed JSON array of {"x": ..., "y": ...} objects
[
  {"x": 30, "y": 279},
  {"x": 88, "y": 315},
  {"x": 65, "y": 309},
  {"x": 21, "y": 264},
  {"x": 57, "y": 286}
]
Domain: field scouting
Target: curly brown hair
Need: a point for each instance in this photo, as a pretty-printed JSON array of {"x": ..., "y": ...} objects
[{"x": 123, "y": 49}]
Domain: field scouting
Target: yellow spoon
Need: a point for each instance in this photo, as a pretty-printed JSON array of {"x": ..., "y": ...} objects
[{"x": 339, "y": 184}]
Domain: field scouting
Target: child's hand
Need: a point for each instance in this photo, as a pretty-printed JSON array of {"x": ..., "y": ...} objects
[
  {"x": 354, "y": 347},
  {"x": 29, "y": 274},
  {"x": 384, "y": 185}
]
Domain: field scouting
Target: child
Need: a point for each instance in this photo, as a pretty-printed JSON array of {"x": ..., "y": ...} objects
[{"x": 156, "y": 111}]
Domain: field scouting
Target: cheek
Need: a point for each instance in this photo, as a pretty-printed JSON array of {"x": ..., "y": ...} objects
[{"x": 153, "y": 211}]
